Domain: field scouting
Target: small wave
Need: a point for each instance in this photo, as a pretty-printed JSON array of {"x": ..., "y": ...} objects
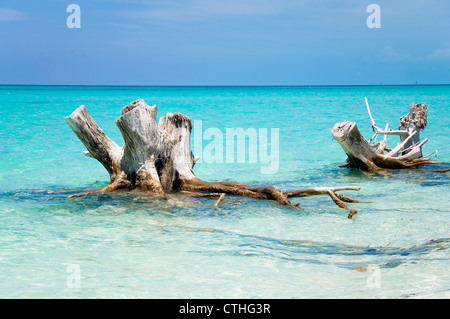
[
  {"x": 339, "y": 254},
  {"x": 232, "y": 243}
]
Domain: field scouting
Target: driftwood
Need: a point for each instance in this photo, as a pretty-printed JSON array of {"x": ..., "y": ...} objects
[
  {"x": 370, "y": 157},
  {"x": 157, "y": 158},
  {"x": 444, "y": 170},
  {"x": 352, "y": 213}
]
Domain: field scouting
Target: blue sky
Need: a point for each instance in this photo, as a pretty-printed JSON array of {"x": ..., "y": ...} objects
[{"x": 216, "y": 42}]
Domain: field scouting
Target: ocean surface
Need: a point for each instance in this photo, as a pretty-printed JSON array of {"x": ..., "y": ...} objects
[{"x": 135, "y": 246}]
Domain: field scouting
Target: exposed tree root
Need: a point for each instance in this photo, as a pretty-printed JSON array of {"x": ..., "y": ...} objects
[{"x": 157, "y": 158}]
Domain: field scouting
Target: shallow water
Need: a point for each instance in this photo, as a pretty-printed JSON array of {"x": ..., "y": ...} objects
[{"x": 133, "y": 246}]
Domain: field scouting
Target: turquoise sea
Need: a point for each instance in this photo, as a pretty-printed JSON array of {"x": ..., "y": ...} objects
[{"x": 135, "y": 246}]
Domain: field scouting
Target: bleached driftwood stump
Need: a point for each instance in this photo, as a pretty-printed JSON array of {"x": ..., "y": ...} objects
[
  {"x": 370, "y": 157},
  {"x": 158, "y": 158}
]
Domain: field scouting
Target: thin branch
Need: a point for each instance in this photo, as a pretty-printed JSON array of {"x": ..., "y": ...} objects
[
  {"x": 336, "y": 200},
  {"x": 352, "y": 213},
  {"x": 319, "y": 191},
  {"x": 400, "y": 146},
  {"x": 445, "y": 170},
  {"x": 217, "y": 203}
]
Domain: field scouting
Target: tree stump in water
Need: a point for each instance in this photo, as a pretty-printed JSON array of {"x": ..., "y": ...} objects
[
  {"x": 365, "y": 156},
  {"x": 414, "y": 121},
  {"x": 157, "y": 158}
]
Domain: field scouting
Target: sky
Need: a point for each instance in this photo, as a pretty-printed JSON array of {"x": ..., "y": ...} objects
[{"x": 224, "y": 42}]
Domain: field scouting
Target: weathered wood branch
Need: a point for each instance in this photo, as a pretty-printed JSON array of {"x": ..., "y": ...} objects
[
  {"x": 157, "y": 158},
  {"x": 217, "y": 203},
  {"x": 445, "y": 170},
  {"x": 95, "y": 140},
  {"x": 337, "y": 198},
  {"x": 401, "y": 146},
  {"x": 383, "y": 144}
]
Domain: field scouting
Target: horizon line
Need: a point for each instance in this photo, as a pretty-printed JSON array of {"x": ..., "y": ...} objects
[{"x": 225, "y": 85}]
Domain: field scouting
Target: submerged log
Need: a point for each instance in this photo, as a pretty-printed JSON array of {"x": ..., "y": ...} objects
[{"x": 157, "y": 158}]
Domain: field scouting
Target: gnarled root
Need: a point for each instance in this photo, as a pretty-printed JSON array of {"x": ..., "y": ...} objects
[
  {"x": 157, "y": 158},
  {"x": 267, "y": 192},
  {"x": 337, "y": 198},
  {"x": 262, "y": 192}
]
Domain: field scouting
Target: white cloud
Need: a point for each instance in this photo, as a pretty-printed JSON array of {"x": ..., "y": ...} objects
[
  {"x": 440, "y": 54},
  {"x": 390, "y": 55},
  {"x": 11, "y": 15}
]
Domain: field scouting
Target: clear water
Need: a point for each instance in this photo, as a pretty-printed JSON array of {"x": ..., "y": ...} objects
[{"x": 133, "y": 246}]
